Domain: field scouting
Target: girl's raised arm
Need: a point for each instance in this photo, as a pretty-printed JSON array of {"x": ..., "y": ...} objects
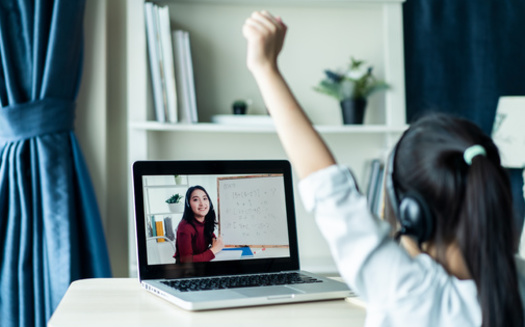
[{"x": 305, "y": 148}]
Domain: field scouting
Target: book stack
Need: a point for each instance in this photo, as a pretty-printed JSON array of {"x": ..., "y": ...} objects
[
  {"x": 155, "y": 228},
  {"x": 171, "y": 68}
]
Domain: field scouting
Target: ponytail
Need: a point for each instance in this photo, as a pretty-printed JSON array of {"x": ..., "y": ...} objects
[{"x": 487, "y": 241}]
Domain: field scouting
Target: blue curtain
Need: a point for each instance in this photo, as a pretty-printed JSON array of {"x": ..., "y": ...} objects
[
  {"x": 50, "y": 227},
  {"x": 460, "y": 57}
]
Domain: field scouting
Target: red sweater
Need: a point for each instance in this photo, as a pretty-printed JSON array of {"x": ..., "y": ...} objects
[{"x": 191, "y": 245}]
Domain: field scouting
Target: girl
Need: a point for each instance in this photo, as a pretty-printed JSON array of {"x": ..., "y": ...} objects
[
  {"x": 196, "y": 241},
  {"x": 446, "y": 188}
]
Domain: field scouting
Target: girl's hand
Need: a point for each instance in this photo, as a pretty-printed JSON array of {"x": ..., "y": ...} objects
[
  {"x": 305, "y": 148},
  {"x": 217, "y": 245},
  {"x": 265, "y": 36}
]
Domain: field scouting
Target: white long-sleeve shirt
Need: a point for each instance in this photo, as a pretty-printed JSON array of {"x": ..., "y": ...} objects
[{"x": 399, "y": 290}]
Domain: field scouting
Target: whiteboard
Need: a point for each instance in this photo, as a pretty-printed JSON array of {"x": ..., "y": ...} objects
[{"x": 252, "y": 211}]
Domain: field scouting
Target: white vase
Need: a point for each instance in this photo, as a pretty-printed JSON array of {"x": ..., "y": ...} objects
[{"x": 176, "y": 207}]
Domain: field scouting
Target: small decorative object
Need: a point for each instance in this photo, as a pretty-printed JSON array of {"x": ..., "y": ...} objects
[
  {"x": 239, "y": 107},
  {"x": 175, "y": 202},
  {"x": 351, "y": 88},
  {"x": 178, "y": 179},
  {"x": 508, "y": 133}
]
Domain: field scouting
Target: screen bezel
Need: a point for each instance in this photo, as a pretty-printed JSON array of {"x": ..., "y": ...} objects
[{"x": 209, "y": 167}]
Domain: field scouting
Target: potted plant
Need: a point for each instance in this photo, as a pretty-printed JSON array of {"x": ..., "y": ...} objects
[
  {"x": 175, "y": 203},
  {"x": 351, "y": 88},
  {"x": 239, "y": 107}
]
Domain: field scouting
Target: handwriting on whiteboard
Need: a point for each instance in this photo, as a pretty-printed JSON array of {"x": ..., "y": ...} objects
[{"x": 252, "y": 210}]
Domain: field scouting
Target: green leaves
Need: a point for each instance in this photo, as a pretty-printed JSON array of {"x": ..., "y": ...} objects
[
  {"x": 330, "y": 88},
  {"x": 175, "y": 198},
  {"x": 354, "y": 83}
]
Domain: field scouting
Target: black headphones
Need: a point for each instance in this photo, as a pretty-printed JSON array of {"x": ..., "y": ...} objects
[{"x": 410, "y": 208}]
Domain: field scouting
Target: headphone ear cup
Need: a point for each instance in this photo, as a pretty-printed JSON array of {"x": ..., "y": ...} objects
[{"x": 415, "y": 217}]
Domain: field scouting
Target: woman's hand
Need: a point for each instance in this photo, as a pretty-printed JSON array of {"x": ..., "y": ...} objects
[
  {"x": 217, "y": 245},
  {"x": 265, "y": 35}
]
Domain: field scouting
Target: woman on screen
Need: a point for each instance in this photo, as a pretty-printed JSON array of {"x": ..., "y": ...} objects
[{"x": 196, "y": 241}]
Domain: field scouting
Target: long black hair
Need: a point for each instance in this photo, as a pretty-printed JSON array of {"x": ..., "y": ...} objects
[
  {"x": 210, "y": 219},
  {"x": 472, "y": 206}
]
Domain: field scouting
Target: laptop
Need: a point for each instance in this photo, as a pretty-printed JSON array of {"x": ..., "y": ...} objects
[{"x": 253, "y": 205}]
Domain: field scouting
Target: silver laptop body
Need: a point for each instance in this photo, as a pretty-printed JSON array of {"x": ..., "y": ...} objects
[{"x": 254, "y": 205}]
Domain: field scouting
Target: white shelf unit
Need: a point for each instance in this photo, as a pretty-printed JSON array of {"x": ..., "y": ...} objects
[
  {"x": 176, "y": 188},
  {"x": 322, "y": 34},
  {"x": 222, "y": 128},
  {"x": 160, "y": 246}
]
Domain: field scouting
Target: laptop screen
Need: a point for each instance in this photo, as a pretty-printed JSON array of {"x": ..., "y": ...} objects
[{"x": 183, "y": 209}]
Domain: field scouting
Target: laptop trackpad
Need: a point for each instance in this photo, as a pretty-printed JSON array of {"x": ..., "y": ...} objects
[{"x": 267, "y": 291}]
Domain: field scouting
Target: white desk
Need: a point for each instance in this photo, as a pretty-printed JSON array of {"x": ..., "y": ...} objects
[{"x": 122, "y": 302}]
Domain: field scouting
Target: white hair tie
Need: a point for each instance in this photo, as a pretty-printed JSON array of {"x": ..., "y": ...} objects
[{"x": 473, "y": 151}]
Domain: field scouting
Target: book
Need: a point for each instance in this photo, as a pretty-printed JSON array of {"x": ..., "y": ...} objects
[
  {"x": 149, "y": 227},
  {"x": 182, "y": 100},
  {"x": 153, "y": 42},
  {"x": 153, "y": 226},
  {"x": 166, "y": 46},
  {"x": 184, "y": 76},
  {"x": 160, "y": 54},
  {"x": 168, "y": 226},
  {"x": 379, "y": 209},
  {"x": 160, "y": 230},
  {"x": 371, "y": 192},
  {"x": 375, "y": 188},
  {"x": 190, "y": 78}
]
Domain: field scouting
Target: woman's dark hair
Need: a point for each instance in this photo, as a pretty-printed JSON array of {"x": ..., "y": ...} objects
[
  {"x": 209, "y": 220},
  {"x": 471, "y": 205}
]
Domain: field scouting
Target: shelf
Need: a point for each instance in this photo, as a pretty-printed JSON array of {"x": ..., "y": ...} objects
[
  {"x": 281, "y": 2},
  {"x": 167, "y": 186},
  {"x": 163, "y": 213},
  {"x": 223, "y": 128}
]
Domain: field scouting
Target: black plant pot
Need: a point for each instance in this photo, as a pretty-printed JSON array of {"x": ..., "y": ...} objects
[
  {"x": 353, "y": 111},
  {"x": 239, "y": 109}
]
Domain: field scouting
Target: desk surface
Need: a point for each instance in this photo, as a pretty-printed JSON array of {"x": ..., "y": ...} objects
[{"x": 122, "y": 302}]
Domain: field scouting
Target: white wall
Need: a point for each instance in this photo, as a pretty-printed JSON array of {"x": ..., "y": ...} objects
[
  {"x": 219, "y": 50},
  {"x": 101, "y": 120}
]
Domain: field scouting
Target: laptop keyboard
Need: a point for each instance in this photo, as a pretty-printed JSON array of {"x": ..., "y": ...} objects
[{"x": 217, "y": 283}]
